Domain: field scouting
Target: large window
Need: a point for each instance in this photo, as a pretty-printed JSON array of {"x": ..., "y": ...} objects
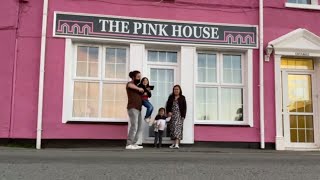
[
  {"x": 99, "y": 78},
  {"x": 300, "y": 1},
  {"x": 220, "y": 87},
  {"x": 303, "y": 4}
]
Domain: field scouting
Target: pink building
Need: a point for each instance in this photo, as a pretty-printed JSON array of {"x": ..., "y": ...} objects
[{"x": 210, "y": 48}]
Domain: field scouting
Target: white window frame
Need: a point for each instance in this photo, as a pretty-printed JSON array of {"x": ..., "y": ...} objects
[
  {"x": 313, "y": 6},
  {"x": 246, "y": 85},
  {"x": 70, "y": 78}
]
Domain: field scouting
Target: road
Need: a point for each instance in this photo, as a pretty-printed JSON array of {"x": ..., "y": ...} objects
[{"x": 155, "y": 164}]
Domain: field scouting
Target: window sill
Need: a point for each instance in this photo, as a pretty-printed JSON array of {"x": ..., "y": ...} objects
[
  {"x": 223, "y": 123},
  {"x": 92, "y": 120},
  {"x": 302, "y": 6}
]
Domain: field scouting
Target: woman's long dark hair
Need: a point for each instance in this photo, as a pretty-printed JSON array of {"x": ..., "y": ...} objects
[
  {"x": 171, "y": 97},
  {"x": 180, "y": 94}
]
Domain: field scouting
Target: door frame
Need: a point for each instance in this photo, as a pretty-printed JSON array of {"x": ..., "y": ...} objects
[
  {"x": 286, "y": 114},
  {"x": 167, "y": 65}
]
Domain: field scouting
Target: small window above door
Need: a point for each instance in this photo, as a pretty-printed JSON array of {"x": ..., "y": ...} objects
[
  {"x": 162, "y": 56},
  {"x": 298, "y": 64}
]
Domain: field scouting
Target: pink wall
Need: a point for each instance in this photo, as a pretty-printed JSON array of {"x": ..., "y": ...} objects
[
  {"x": 278, "y": 21},
  {"x": 8, "y": 24},
  {"x": 186, "y": 10},
  {"x": 27, "y": 71}
]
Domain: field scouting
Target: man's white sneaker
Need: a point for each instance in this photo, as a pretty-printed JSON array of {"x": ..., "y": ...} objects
[
  {"x": 131, "y": 147},
  {"x": 176, "y": 147},
  {"x": 172, "y": 146},
  {"x": 137, "y": 146}
]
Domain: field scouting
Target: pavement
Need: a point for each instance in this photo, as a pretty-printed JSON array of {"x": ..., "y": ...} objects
[{"x": 115, "y": 163}]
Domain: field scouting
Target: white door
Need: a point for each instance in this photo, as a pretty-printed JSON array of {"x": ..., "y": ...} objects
[
  {"x": 300, "y": 120},
  {"x": 162, "y": 73}
]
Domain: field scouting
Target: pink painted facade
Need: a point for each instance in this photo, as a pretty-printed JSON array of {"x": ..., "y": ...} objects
[{"x": 20, "y": 47}]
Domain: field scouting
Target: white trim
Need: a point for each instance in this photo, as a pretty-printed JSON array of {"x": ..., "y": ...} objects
[
  {"x": 278, "y": 103},
  {"x": 226, "y": 123},
  {"x": 302, "y": 6},
  {"x": 299, "y": 42},
  {"x": 187, "y": 61},
  {"x": 67, "y": 103},
  {"x": 88, "y": 119},
  {"x": 249, "y": 94}
]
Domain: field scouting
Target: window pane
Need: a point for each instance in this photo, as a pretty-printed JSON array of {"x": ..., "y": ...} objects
[
  {"x": 162, "y": 56},
  {"x": 227, "y": 62},
  {"x": 93, "y": 69},
  {"x": 82, "y": 68},
  {"x": 116, "y": 63},
  {"x": 121, "y": 71},
  {"x": 207, "y": 71},
  {"x": 110, "y": 71},
  {"x": 202, "y": 60},
  {"x": 237, "y": 76},
  {"x": 232, "y": 104},
  {"x": 82, "y": 53},
  {"x": 86, "y": 99},
  {"x": 122, "y": 56},
  {"x": 110, "y": 56},
  {"x": 114, "y": 101},
  {"x": 227, "y": 76},
  {"x": 232, "y": 70},
  {"x": 153, "y": 56},
  {"x": 236, "y": 62},
  {"x": 206, "y": 103},
  {"x": 172, "y": 57},
  {"x": 79, "y": 108},
  {"x": 93, "y": 54},
  {"x": 211, "y": 58},
  {"x": 295, "y": 63},
  {"x": 201, "y": 75},
  {"x": 212, "y": 75}
]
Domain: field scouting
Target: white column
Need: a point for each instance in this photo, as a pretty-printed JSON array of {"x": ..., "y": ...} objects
[
  {"x": 278, "y": 100},
  {"x": 136, "y": 60},
  {"x": 188, "y": 57}
]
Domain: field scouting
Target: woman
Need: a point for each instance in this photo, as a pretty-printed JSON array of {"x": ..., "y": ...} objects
[
  {"x": 177, "y": 109},
  {"x": 134, "y": 109}
]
